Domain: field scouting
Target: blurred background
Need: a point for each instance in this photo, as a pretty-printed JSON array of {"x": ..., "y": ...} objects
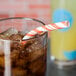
[{"x": 39, "y": 9}]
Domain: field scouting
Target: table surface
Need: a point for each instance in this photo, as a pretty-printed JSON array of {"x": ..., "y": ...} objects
[{"x": 52, "y": 71}]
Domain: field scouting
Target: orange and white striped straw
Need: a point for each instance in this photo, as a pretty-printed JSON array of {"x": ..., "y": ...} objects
[{"x": 49, "y": 27}]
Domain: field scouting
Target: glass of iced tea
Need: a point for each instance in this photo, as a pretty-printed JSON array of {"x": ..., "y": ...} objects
[{"x": 22, "y": 59}]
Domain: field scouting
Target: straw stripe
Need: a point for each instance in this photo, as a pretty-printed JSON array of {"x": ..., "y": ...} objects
[
  {"x": 30, "y": 34},
  {"x": 41, "y": 29},
  {"x": 55, "y": 26},
  {"x": 45, "y": 27},
  {"x": 36, "y": 30},
  {"x": 65, "y": 23},
  {"x": 61, "y": 25},
  {"x": 50, "y": 27}
]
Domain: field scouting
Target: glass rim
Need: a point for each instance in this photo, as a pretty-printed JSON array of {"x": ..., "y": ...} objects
[{"x": 26, "y": 18}]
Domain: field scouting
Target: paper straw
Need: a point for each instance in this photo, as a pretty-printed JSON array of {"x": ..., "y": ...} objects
[{"x": 49, "y": 27}]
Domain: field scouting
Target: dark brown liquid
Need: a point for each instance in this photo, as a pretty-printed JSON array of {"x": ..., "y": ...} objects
[{"x": 26, "y": 59}]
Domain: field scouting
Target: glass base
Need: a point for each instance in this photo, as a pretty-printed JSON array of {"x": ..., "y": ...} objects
[{"x": 60, "y": 64}]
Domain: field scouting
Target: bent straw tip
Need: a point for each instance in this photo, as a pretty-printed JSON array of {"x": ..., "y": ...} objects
[{"x": 67, "y": 23}]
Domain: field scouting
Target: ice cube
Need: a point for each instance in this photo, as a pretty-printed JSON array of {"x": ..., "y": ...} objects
[
  {"x": 16, "y": 37},
  {"x": 3, "y": 37},
  {"x": 21, "y": 33},
  {"x": 9, "y": 32}
]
